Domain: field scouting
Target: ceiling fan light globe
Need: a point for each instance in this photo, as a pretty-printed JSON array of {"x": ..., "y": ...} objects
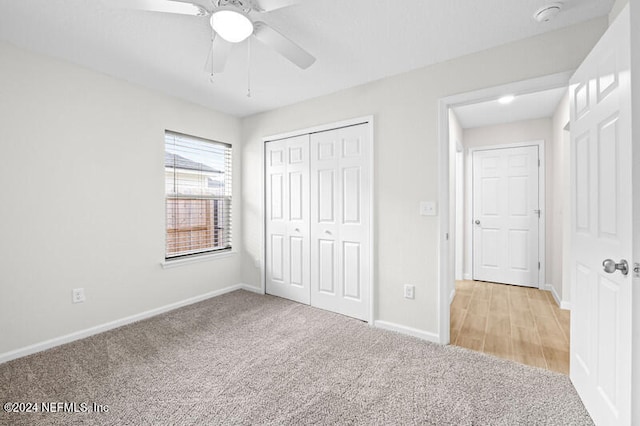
[{"x": 231, "y": 25}]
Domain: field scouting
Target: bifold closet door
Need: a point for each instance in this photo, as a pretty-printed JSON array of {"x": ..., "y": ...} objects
[
  {"x": 340, "y": 219},
  {"x": 287, "y": 218}
]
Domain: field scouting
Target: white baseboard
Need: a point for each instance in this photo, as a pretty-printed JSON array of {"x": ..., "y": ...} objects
[
  {"x": 563, "y": 304},
  {"x": 420, "y": 334},
  {"x": 251, "y": 288},
  {"x": 468, "y": 277},
  {"x": 57, "y": 341},
  {"x": 552, "y": 289}
]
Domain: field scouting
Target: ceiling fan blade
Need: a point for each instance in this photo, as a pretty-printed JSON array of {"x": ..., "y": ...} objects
[
  {"x": 283, "y": 45},
  {"x": 167, "y": 6},
  {"x": 269, "y": 5},
  {"x": 218, "y": 55}
]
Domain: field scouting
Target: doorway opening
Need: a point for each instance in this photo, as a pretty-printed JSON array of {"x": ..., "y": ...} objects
[{"x": 505, "y": 197}]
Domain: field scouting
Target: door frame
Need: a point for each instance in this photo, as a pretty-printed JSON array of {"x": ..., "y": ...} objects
[
  {"x": 369, "y": 122},
  {"x": 634, "y": 11},
  {"x": 460, "y": 196},
  {"x": 468, "y": 190},
  {"x": 445, "y": 282}
]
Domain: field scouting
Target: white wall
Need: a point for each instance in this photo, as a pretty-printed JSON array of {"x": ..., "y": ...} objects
[
  {"x": 616, "y": 9},
  {"x": 406, "y": 152},
  {"x": 559, "y": 224},
  {"x": 502, "y": 134},
  {"x": 82, "y": 199}
]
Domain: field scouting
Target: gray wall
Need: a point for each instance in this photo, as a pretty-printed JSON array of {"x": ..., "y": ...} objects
[{"x": 83, "y": 199}]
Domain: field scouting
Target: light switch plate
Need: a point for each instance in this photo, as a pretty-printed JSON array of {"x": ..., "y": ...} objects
[{"x": 427, "y": 208}]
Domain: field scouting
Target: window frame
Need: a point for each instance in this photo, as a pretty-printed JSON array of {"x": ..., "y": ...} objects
[{"x": 225, "y": 212}]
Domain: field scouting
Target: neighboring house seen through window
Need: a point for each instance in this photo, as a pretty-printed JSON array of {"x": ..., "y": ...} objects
[{"x": 198, "y": 195}]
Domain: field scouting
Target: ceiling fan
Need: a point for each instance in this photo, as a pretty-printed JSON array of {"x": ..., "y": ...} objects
[{"x": 231, "y": 22}]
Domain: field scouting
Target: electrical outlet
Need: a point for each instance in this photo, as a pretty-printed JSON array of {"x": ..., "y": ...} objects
[
  {"x": 409, "y": 291},
  {"x": 77, "y": 295}
]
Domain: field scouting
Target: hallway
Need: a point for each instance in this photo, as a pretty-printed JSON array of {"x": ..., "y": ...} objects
[{"x": 517, "y": 323}]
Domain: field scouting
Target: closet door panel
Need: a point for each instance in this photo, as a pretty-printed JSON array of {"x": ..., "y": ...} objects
[
  {"x": 351, "y": 266},
  {"x": 325, "y": 201},
  {"x": 340, "y": 216},
  {"x": 325, "y": 269},
  {"x": 296, "y": 261},
  {"x": 351, "y": 195},
  {"x": 276, "y": 248},
  {"x": 276, "y": 194},
  {"x": 287, "y": 202}
]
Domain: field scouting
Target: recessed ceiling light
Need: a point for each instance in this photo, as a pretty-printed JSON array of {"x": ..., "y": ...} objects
[{"x": 505, "y": 100}]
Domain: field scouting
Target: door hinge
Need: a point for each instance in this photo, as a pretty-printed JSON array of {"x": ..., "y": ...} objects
[
  {"x": 538, "y": 266},
  {"x": 538, "y": 162},
  {"x": 537, "y": 211}
]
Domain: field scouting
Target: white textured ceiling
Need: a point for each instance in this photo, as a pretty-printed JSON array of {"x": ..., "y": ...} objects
[
  {"x": 355, "y": 41},
  {"x": 524, "y": 107}
]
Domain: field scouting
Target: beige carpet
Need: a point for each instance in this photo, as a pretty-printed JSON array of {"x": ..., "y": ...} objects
[{"x": 243, "y": 358}]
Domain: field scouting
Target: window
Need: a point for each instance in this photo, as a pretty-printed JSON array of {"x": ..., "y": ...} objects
[{"x": 198, "y": 195}]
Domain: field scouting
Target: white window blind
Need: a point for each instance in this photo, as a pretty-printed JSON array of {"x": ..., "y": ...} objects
[{"x": 198, "y": 195}]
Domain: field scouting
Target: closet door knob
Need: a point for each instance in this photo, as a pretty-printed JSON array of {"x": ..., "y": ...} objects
[{"x": 328, "y": 232}]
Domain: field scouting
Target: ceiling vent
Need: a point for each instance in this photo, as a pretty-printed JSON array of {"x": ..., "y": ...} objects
[{"x": 548, "y": 12}]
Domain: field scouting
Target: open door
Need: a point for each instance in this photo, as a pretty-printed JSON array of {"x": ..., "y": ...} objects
[{"x": 601, "y": 193}]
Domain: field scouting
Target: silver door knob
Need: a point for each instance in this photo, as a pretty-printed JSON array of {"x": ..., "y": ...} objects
[
  {"x": 477, "y": 222},
  {"x": 327, "y": 232},
  {"x": 611, "y": 266}
]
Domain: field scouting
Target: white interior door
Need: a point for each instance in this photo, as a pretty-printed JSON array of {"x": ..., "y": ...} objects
[
  {"x": 602, "y": 227},
  {"x": 287, "y": 218},
  {"x": 340, "y": 235},
  {"x": 506, "y": 215}
]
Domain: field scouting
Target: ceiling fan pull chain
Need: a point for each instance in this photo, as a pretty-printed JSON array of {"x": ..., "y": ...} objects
[
  {"x": 248, "y": 68},
  {"x": 211, "y": 76}
]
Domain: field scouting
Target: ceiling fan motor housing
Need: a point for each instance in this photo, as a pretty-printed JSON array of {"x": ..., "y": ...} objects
[{"x": 244, "y": 5}]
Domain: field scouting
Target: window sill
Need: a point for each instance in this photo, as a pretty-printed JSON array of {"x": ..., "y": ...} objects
[{"x": 196, "y": 259}]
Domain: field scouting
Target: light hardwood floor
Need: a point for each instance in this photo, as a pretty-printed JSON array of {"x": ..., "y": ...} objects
[{"x": 517, "y": 323}]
